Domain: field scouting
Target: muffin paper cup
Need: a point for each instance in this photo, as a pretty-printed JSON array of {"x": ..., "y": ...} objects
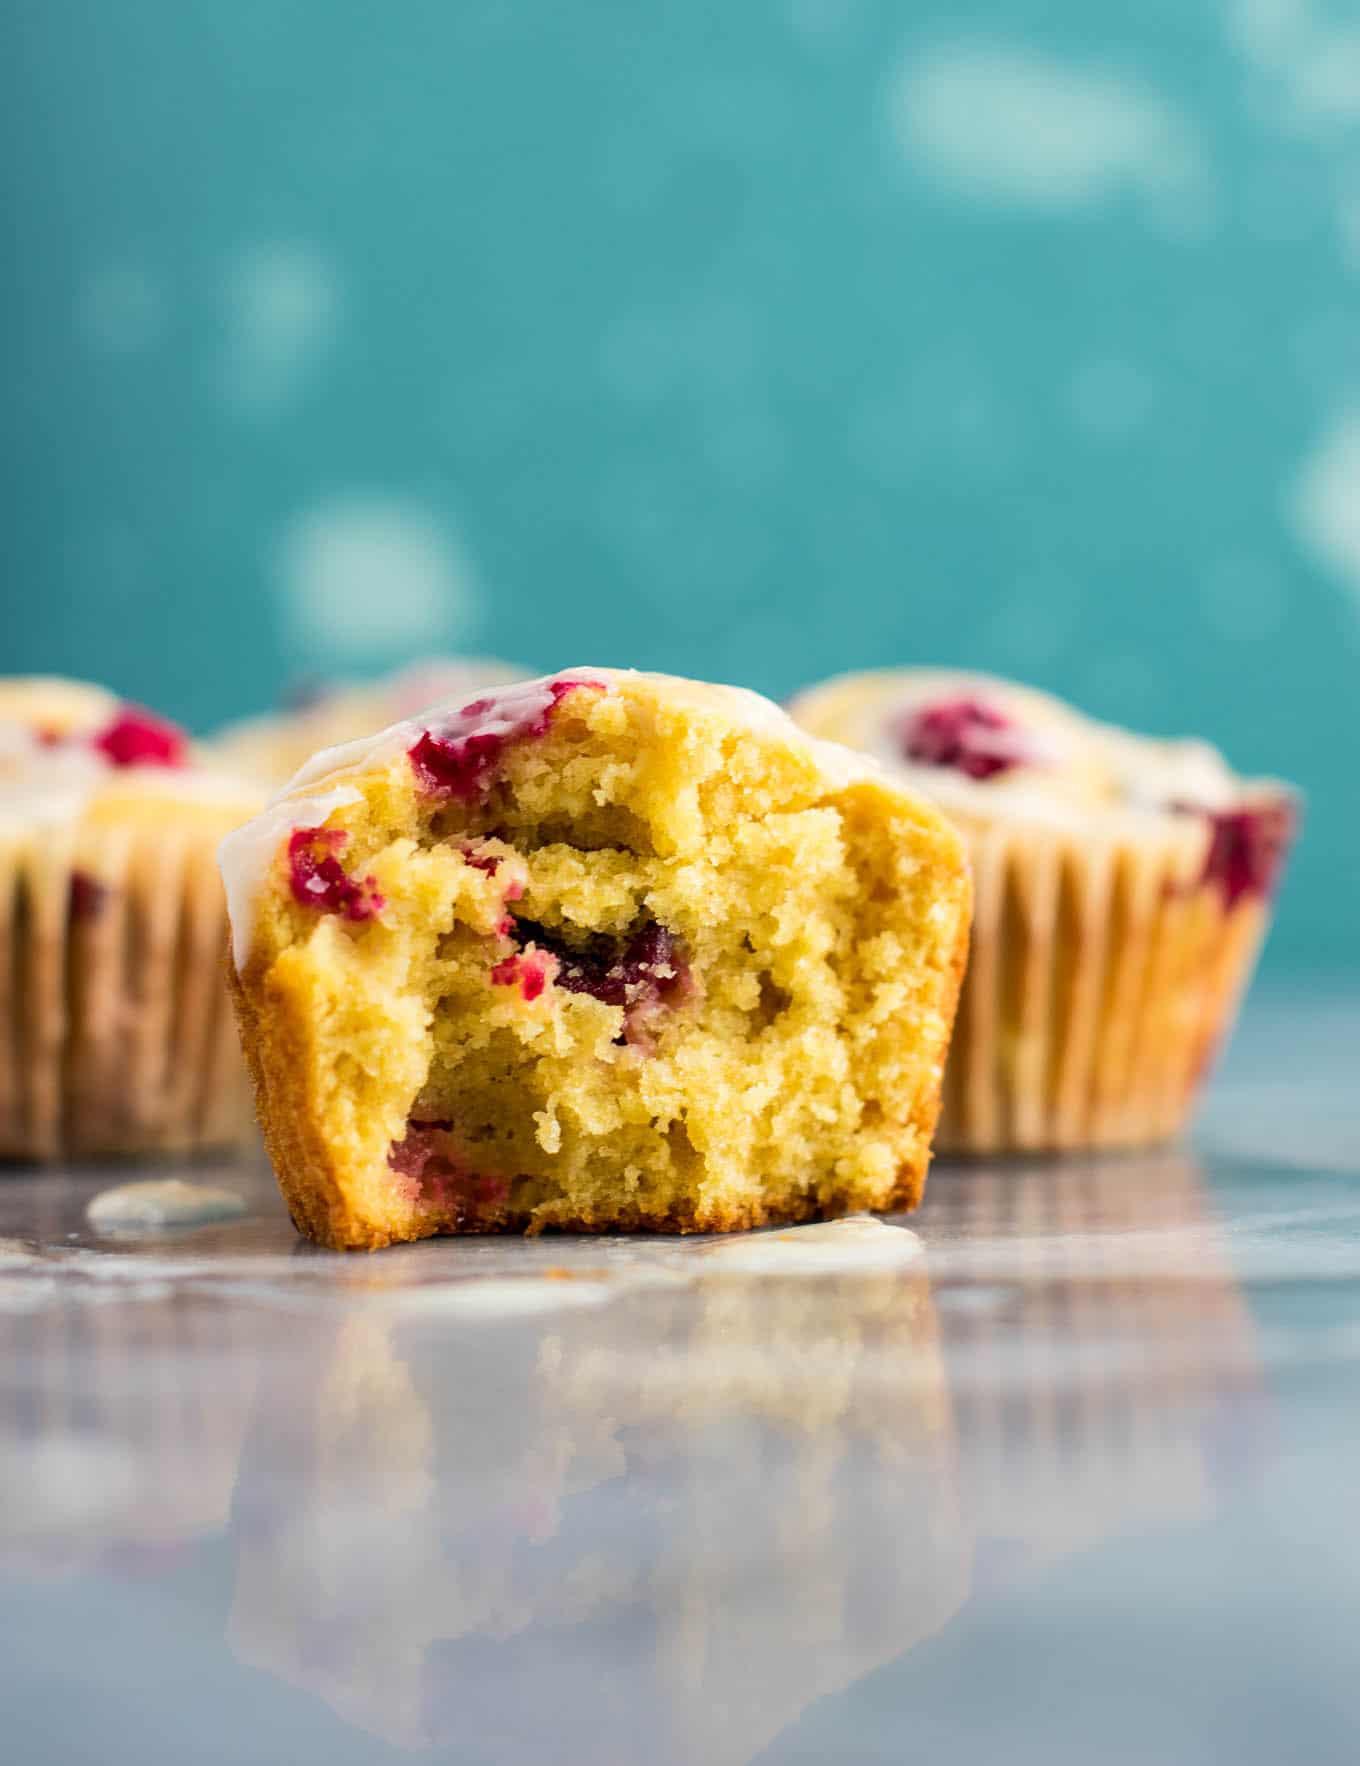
[
  {"x": 115, "y": 1031},
  {"x": 1102, "y": 979}
]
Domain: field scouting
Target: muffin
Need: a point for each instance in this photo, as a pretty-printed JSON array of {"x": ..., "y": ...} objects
[
  {"x": 603, "y": 950},
  {"x": 272, "y": 749},
  {"x": 116, "y": 1034},
  {"x": 1123, "y": 887}
]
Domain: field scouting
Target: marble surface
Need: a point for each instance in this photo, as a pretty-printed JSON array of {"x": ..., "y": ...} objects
[{"x": 1063, "y": 1469}]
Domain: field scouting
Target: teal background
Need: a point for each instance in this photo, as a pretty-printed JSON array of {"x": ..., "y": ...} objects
[{"x": 753, "y": 341}]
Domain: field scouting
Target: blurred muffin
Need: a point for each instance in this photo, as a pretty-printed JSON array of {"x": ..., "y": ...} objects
[
  {"x": 272, "y": 749},
  {"x": 1123, "y": 887},
  {"x": 115, "y": 1027}
]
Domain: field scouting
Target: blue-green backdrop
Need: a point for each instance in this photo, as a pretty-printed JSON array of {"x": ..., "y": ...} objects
[{"x": 750, "y": 340}]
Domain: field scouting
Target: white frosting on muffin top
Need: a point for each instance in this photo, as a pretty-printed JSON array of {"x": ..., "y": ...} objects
[
  {"x": 988, "y": 750},
  {"x": 500, "y": 714},
  {"x": 58, "y": 757}
]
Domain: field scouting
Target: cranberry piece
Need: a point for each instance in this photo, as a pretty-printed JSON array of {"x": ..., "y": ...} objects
[
  {"x": 438, "y": 1174},
  {"x": 530, "y": 970},
  {"x": 137, "y": 737},
  {"x": 422, "y": 1143},
  {"x": 642, "y": 973},
  {"x": 462, "y": 768},
  {"x": 88, "y": 896},
  {"x": 463, "y": 764},
  {"x": 968, "y": 735},
  {"x": 320, "y": 881},
  {"x": 489, "y": 862},
  {"x": 1247, "y": 847}
]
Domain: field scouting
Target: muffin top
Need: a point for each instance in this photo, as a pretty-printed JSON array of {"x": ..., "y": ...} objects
[
  {"x": 993, "y": 753},
  {"x": 71, "y": 751},
  {"x": 457, "y": 745}
]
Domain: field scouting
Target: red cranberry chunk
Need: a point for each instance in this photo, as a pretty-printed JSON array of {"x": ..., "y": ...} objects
[
  {"x": 1247, "y": 847},
  {"x": 463, "y": 761},
  {"x": 640, "y": 973},
  {"x": 967, "y": 735},
  {"x": 463, "y": 767},
  {"x": 320, "y": 881},
  {"x": 530, "y": 970},
  {"x": 88, "y": 896},
  {"x": 137, "y": 737},
  {"x": 438, "y": 1172},
  {"x": 422, "y": 1143}
]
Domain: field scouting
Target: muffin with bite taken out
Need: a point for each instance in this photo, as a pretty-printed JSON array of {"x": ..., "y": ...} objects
[
  {"x": 1123, "y": 888},
  {"x": 602, "y": 950}
]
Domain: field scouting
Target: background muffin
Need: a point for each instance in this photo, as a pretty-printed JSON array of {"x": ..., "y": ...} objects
[
  {"x": 1123, "y": 887},
  {"x": 115, "y": 1031},
  {"x": 273, "y": 748}
]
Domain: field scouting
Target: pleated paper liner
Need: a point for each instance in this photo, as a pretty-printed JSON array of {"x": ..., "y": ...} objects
[
  {"x": 115, "y": 1025},
  {"x": 1104, "y": 973}
]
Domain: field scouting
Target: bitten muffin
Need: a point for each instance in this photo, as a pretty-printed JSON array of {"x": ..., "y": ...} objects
[
  {"x": 1123, "y": 888},
  {"x": 115, "y": 1026},
  {"x": 604, "y": 950},
  {"x": 272, "y": 749}
]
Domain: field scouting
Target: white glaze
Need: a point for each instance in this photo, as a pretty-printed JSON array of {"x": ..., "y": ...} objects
[
  {"x": 851, "y": 1246},
  {"x": 1076, "y": 773},
  {"x": 162, "y": 1202},
  {"x": 246, "y": 855},
  {"x": 43, "y": 785}
]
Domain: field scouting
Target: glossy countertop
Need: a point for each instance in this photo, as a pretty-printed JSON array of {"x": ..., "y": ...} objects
[{"x": 1063, "y": 1468}]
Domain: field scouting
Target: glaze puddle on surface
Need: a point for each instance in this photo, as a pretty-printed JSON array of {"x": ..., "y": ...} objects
[
  {"x": 828, "y": 1247},
  {"x": 156, "y": 1203}
]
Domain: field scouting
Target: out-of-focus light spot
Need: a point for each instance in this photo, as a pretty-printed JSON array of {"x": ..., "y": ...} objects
[
  {"x": 366, "y": 579},
  {"x": 1306, "y": 56},
  {"x": 1325, "y": 500},
  {"x": 1243, "y": 599},
  {"x": 1006, "y": 123},
  {"x": 121, "y": 309},
  {"x": 283, "y": 312},
  {"x": 1109, "y": 398}
]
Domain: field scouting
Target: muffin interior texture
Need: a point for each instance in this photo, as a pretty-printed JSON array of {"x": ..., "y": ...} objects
[{"x": 643, "y": 967}]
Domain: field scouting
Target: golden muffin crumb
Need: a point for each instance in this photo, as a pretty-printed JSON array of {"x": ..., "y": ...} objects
[{"x": 600, "y": 951}]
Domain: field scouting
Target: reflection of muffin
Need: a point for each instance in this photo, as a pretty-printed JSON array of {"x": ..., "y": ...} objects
[
  {"x": 605, "y": 950},
  {"x": 116, "y": 1034},
  {"x": 738, "y": 1493},
  {"x": 272, "y": 749},
  {"x": 131, "y": 1407},
  {"x": 1102, "y": 1360},
  {"x": 1122, "y": 890}
]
